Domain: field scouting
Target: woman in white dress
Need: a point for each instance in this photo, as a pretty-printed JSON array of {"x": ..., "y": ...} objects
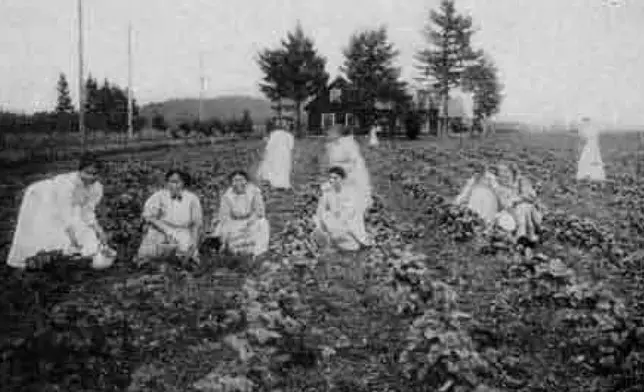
[
  {"x": 338, "y": 222},
  {"x": 373, "y": 135},
  {"x": 241, "y": 224},
  {"x": 276, "y": 165},
  {"x": 591, "y": 165},
  {"x": 478, "y": 195},
  {"x": 174, "y": 219},
  {"x": 343, "y": 151},
  {"x": 58, "y": 214}
]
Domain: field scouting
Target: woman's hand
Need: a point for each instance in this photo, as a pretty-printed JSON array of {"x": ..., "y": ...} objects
[{"x": 72, "y": 238}]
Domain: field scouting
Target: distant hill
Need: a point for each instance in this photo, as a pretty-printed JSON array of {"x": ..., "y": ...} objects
[{"x": 223, "y": 107}]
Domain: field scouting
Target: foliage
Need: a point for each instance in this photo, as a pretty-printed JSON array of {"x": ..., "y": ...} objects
[
  {"x": 64, "y": 100},
  {"x": 482, "y": 79},
  {"x": 449, "y": 52},
  {"x": 106, "y": 107},
  {"x": 246, "y": 124},
  {"x": 369, "y": 67},
  {"x": 294, "y": 70},
  {"x": 159, "y": 123}
]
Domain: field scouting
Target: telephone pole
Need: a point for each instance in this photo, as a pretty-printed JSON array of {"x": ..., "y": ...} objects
[
  {"x": 130, "y": 103},
  {"x": 81, "y": 78},
  {"x": 202, "y": 84}
]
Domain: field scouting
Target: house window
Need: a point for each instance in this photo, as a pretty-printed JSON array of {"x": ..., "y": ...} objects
[
  {"x": 350, "y": 120},
  {"x": 328, "y": 120},
  {"x": 335, "y": 95}
]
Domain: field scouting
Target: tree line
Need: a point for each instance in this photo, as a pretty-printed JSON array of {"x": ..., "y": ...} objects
[
  {"x": 295, "y": 70},
  {"x": 106, "y": 109},
  {"x": 242, "y": 126}
]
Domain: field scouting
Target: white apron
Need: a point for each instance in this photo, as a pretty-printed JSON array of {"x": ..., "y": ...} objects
[{"x": 480, "y": 198}]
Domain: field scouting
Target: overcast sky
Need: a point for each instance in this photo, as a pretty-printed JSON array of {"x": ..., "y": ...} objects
[{"x": 557, "y": 58}]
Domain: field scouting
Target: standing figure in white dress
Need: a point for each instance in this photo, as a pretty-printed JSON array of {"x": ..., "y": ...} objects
[
  {"x": 174, "y": 220},
  {"x": 373, "y": 135},
  {"x": 277, "y": 162},
  {"x": 58, "y": 214},
  {"x": 591, "y": 165},
  {"x": 344, "y": 151}
]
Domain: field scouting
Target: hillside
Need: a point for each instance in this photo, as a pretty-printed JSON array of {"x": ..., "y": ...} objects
[{"x": 223, "y": 107}]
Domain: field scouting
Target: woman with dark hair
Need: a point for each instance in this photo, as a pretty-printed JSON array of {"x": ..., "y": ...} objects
[
  {"x": 59, "y": 214},
  {"x": 174, "y": 219},
  {"x": 241, "y": 224},
  {"x": 338, "y": 222}
]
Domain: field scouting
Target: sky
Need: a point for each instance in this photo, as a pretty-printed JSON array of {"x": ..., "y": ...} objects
[{"x": 558, "y": 59}]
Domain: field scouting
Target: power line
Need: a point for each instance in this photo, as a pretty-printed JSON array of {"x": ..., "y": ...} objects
[{"x": 81, "y": 78}]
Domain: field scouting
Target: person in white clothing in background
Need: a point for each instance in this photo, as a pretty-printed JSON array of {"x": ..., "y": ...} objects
[
  {"x": 174, "y": 218},
  {"x": 591, "y": 165},
  {"x": 373, "y": 135},
  {"x": 276, "y": 165},
  {"x": 343, "y": 151},
  {"x": 58, "y": 214}
]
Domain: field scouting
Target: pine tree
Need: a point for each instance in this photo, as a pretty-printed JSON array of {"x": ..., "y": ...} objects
[
  {"x": 246, "y": 124},
  {"x": 369, "y": 66},
  {"x": 449, "y": 52},
  {"x": 482, "y": 79},
  {"x": 64, "y": 100},
  {"x": 295, "y": 71}
]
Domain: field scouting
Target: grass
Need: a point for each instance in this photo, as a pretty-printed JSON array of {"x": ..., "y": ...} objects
[{"x": 182, "y": 319}]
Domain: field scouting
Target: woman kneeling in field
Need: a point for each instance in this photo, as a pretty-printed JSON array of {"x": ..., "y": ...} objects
[
  {"x": 479, "y": 196},
  {"x": 174, "y": 218},
  {"x": 241, "y": 224},
  {"x": 339, "y": 221},
  {"x": 518, "y": 200},
  {"x": 58, "y": 214}
]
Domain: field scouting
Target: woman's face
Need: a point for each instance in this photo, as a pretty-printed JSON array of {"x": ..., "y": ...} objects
[
  {"x": 504, "y": 174},
  {"x": 239, "y": 183},
  {"x": 89, "y": 175},
  {"x": 175, "y": 184},
  {"x": 335, "y": 180}
]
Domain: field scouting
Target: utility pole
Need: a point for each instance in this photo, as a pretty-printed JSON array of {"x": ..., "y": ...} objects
[
  {"x": 130, "y": 93},
  {"x": 202, "y": 84},
  {"x": 81, "y": 78}
]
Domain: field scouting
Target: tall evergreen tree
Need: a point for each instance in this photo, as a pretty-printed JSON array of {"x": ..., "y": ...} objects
[
  {"x": 246, "y": 123},
  {"x": 449, "y": 52},
  {"x": 92, "y": 96},
  {"x": 295, "y": 71},
  {"x": 370, "y": 67},
  {"x": 64, "y": 100},
  {"x": 482, "y": 79}
]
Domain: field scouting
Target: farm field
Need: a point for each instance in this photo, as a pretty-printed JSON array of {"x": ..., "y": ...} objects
[
  {"x": 437, "y": 305},
  {"x": 22, "y": 149}
]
